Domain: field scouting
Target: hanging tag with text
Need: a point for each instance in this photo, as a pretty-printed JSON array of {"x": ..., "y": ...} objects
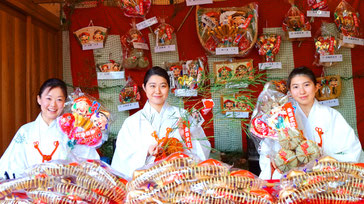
[
  {"x": 92, "y": 46},
  {"x": 299, "y": 34},
  {"x": 331, "y": 103},
  {"x": 147, "y": 23},
  {"x": 353, "y": 40},
  {"x": 227, "y": 51},
  {"x": 318, "y": 13},
  {"x": 231, "y": 85},
  {"x": 270, "y": 65},
  {"x": 128, "y": 106},
  {"x": 197, "y": 2},
  {"x": 331, "y": 58},
  {"x": 237, "y": 114},
  {"x": 185, "y": 92},
  {"x": 111, "y": 75},
  {"x": 165, "y": 48},
  {"x": 139, "y": 45}
]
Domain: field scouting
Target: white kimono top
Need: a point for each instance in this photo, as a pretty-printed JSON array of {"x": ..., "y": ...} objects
[
  {"x": 338, "y": 140},
  {"x": 21, "y": 153},
  {"x": 135, "y": 137}
]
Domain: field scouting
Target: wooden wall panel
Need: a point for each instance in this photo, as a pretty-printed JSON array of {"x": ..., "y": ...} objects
[
  {"x": 7, "y": 76},
  {"x": 19, "y": 71},
  {"x": 29, "y": 54}
]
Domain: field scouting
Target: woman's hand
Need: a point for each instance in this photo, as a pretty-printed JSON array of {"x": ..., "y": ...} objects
[{"x": 153, "y": 150}]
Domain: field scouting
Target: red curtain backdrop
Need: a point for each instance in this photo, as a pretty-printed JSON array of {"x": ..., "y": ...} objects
[{"x": 271, "y": 14}]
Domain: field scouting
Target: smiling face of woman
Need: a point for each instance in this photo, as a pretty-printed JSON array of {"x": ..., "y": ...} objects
[
  {"x": 51, "y": 103},
  {"x": 303, "y": 90},
  {"x": 156, "y": 90}
]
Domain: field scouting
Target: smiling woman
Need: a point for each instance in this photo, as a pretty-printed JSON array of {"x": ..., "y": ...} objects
[
  {"x": 51, "y": 99},
  {"x": 42, "y": 139},
  {"x": 319, "y": 123},
  {"x": 140, "y": 139}
]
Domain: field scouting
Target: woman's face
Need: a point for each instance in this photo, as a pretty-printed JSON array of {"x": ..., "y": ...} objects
[
  {"x": 303, "y": 89},
  {"x": 51, "y": 103},
  {"x": 156, "y": 90}
]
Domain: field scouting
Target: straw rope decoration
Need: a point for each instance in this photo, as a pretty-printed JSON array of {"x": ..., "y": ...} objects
[
  {"x": 339, "y": 166},
  {"x": 144, "y": 176}
]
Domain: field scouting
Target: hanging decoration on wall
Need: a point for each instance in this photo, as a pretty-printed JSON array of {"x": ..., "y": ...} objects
[
  {"x": 91, "y": 37},
  {"x": 110, "y": 70},
  {"x": 325, "y": 48},
  {"x": 129, "y": 96},
  {"x": 134, "y": 45},
  {"x": 329, "y": 87},
  {"x": 268, "y": 45},
  {"x": 236, "y": 105},
  {"x": 233, "y": 71},
  {"x": 135, "y": 8},
  {"x": 295, "y": 25},
  {"x": 348, "y": 23},
  {"x": 163, "y": 37},
  {"x": 111, "y": 66},
  {"x": 227, "y": 31},
  {"x": 186, "y": 76}
]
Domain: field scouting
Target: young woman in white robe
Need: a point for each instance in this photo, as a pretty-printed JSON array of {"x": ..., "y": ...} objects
[
  {"x": 338, "y": 138},
  {"x": 42, "y": 136},
  {"x": 135, "y": 146}
]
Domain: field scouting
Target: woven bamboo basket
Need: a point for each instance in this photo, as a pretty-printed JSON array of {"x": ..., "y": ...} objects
[{"x": 240, "y": 25}]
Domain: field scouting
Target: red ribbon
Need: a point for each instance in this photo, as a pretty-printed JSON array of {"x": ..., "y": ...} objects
[
  {"x": 187, "y": 134},
  {"x": 283, "y": 155},
  {"x": 320, "y": 133},
  {"x": 304, "y": 147},
  {"x": 319, "y": 5},
  {"x": 247, "y": 21},
  {"x": 141, "y": 8},
  {"x": 46, "y": 157}
]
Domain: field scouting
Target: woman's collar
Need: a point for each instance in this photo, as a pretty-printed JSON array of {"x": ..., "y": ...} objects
[
  {"x": 149, "y": 109},
  {"x": 43, "y": 123}
]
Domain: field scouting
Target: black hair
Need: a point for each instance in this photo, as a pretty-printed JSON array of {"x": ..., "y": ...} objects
[
  {"x": 156, "y": 70},
  {"x": 51, "y": 84},
  {"x": 301, "y": 71}
]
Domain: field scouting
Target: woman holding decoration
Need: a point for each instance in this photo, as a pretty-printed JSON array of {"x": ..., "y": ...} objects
[
  {"x": 319, "y": 123},
  {"x": 143, "y": 136},
  {"x": 41, "y": 140}
]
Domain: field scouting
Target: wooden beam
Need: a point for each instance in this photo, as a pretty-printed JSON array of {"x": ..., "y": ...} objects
[
  {"x": 47, "y": 1},
  {"x": 36, "y": 11}
]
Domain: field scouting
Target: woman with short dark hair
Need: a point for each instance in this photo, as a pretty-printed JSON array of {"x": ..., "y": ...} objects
[
  {"x": 41, "y": 140},
  {"x": 135, "y": 144},
  {"x": 319, "y": 123}
]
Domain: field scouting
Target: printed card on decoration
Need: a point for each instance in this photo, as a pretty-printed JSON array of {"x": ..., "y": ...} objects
[
  {"x": 91, "y": 37},
  {"x": 235, "y": 103},
  {"x": 233, "y": 71},
  {"x": 110, "y": 70}
]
